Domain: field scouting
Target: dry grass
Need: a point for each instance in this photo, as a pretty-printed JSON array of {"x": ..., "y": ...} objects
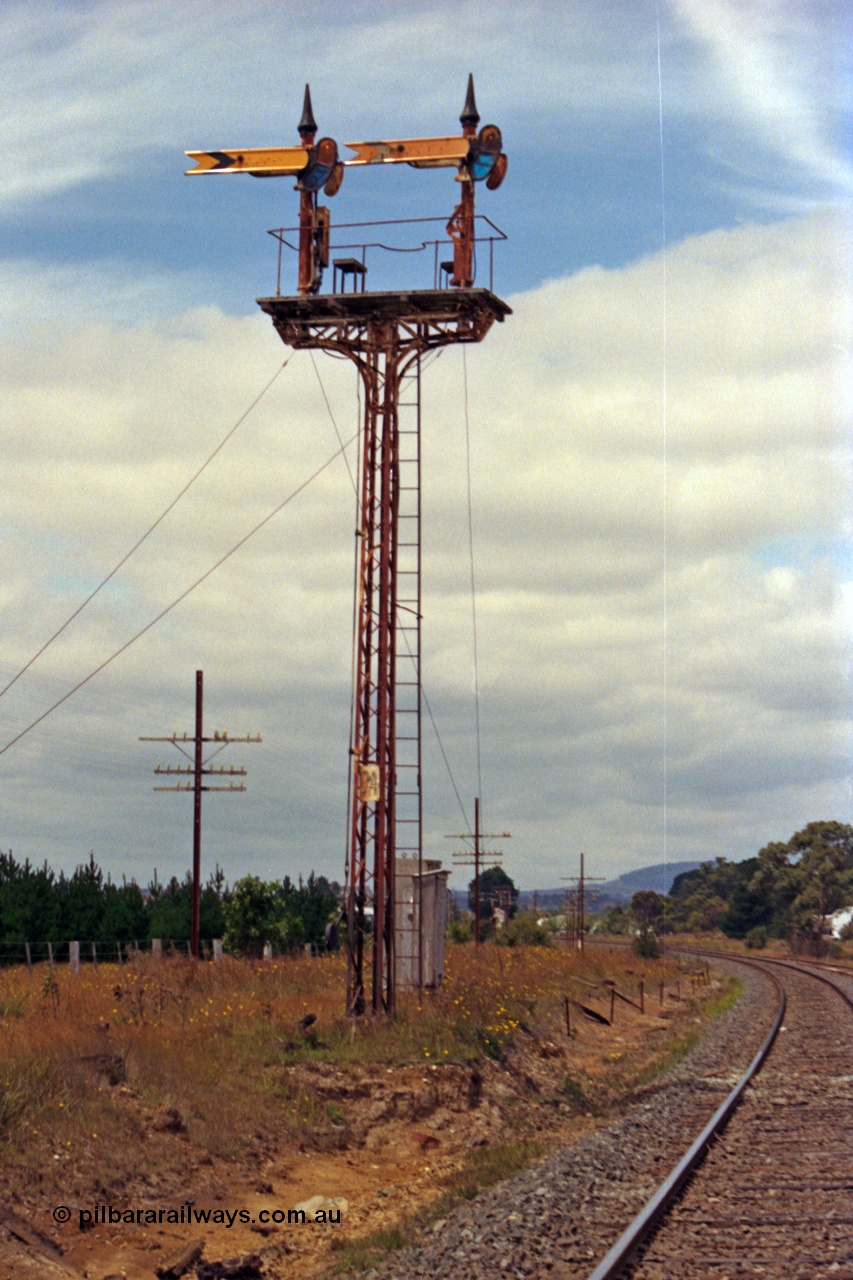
[{"x": 213, "y": 1041}]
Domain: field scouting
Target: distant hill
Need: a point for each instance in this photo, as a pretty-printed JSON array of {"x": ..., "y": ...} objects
[{"x": 658, "y": 877}]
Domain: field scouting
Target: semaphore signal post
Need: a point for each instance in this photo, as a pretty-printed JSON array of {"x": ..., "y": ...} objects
[{"x": 384, "y": 333}]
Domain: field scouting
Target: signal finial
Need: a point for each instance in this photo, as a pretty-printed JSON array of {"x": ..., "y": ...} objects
[
  {"x": 308, "y": 125},
  {"x": 470, "y": 115}
]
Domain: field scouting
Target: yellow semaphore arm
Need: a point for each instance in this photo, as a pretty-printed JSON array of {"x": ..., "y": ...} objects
[
  {"x": 261, "y": 162},
  {"x": 419, "y": 152}
]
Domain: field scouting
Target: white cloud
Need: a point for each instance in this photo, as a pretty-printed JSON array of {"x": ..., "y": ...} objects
[
  {"x": 780, "y": 73},
  {"x": 587, "y": 651}
]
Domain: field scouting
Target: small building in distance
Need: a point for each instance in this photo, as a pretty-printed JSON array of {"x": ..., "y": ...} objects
[
  {"x": 838, "y": 921},
  {"x": 421, "y": 908}
]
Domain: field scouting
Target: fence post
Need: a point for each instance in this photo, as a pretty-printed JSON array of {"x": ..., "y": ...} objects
[
  {"x": 50, "y": 953},
  {"x": 568, "y": 1016},
  {"x": 612, "y": 1004},
  {"x": 74, "y": 957},
  {"x": 29, "y": 957},
  {"x": 661, "y": 995},
  {"x": 95, "y": 954},
  {"x": 268, "y": 951},
  {"x": 118, "y": 950},
  {"x": 642, "y": 997},
  {"x": 157, "y": 948},
  {"x": 217, "y": 950}
]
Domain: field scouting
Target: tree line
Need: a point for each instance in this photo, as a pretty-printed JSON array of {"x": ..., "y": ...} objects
[
  {"x": 37, "y": 905},
  {"x": 788, "y": 890}
]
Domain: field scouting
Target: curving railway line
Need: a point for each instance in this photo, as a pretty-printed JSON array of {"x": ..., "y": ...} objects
[
  {"x": 773, "y": 1196},
  {"x": 766, "y": 1189}
]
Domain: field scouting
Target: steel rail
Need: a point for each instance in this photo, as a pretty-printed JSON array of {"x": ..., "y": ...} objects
[
  {"x": 810, "y": 967},
  {"x": 630, "y": 1240},
  {"x": 797, "y": 966}
]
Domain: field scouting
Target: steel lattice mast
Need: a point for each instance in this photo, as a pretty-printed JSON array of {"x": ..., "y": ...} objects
[{"x": 384, "y": 334}]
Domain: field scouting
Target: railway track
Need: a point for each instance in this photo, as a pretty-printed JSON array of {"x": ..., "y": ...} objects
[
  {"x": 774, "y": 1194},
  {"x": 772, "y": 1198}
]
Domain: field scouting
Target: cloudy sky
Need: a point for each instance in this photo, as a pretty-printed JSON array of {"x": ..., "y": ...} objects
[{"x": 659, "y": 434}]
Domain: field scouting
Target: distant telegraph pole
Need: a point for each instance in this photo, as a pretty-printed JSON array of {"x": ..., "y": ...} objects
[
  {"x": 194, "y": 772},
  {"x": 581, "y": 881},
  {"x": 477, "y": 858}
]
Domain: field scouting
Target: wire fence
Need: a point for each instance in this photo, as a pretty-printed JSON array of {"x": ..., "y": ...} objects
[
  {"x": 120, "y": 952},
  {"x": 105, "y": 951}
]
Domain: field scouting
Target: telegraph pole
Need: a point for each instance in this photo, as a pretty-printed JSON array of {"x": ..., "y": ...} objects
[
  {"x": 477, "y": 858},
  {"x": 194, "y": 773},
  {"x": 384, "y": 333},
  {"x": 197, "y": 776},
  {"x": 581, "y": 881}
]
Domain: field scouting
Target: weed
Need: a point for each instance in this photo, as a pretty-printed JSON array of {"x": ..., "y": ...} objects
[
  {"x": 484, "y": 1168},
  {"x": 26, "y": 1090},
  {"x": 50, "y": 990},
  {"x": 14, "y": 1007},
  {"x": 725, "y": 1001},
  {"x": 490, "y": 1045},
  {"x": 677, "y": 1050},
  {"x": 359, "y": 1255},
  {"x": 572, "y": 1092},
  {"x": 335, "y": 1113}
]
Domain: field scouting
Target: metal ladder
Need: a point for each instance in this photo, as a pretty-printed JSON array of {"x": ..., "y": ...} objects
[{"x": 408, "y": 835}]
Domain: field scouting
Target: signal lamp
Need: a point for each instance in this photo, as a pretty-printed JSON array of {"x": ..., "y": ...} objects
[
  {"x": 484, "y": 152},
  {"x": 321, "y": 165}
]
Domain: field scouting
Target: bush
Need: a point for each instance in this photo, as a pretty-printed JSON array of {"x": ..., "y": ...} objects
[
  {"x": 256, "y": 913},
  {"x": 756, "y": 938},
  {"x": 646, "y": 944},
  {"x": 460, "y": 930},
  {"x": 614, "y": 921},
  {"x": 524, "y": 930}
]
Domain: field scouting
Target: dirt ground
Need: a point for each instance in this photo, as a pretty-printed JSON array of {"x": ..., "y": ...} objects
[{"x": 403, "y": 1134}]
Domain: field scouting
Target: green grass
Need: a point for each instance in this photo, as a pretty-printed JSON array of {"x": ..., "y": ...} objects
[
  {"x": 484, "y": 1168},
  {"x": 678, "y": 1049},
  {"x": 572, "y": 1092},
  {"x": 15, "y": 1007},
  {"x": 725, "y": 1001},
  {"x": 675, "y": 1053},
  {"x": 360, "y": 1255}
]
